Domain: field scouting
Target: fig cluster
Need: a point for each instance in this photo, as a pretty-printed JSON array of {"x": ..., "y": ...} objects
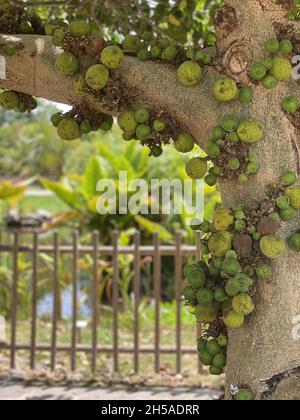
[
  {"x": 229, "y": 151},
  {"x": 227, "y": 90},
  {"x": 15, "y": 101},
  {"x": 275, "y": 67},
  {"x": 78, "y": 122},
  {"x": 238, "y": 247},
  {"x": 188, "y": 61},
  {"x": 14, "y": 19}
]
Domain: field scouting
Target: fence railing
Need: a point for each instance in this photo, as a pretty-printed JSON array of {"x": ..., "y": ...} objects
[{"x": 156, "y": 251}]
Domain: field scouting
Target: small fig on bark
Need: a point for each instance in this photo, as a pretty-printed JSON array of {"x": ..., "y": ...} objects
[
  {"x": 225, "y": 89},
  {"x": 196, "y": 168},
  {"x": 112, "y": 57},
  {"x": 97, "y": 76},
  {"x": 189, "y": 73},
  {"x": 272, "y": 246},
  {"x": 184, "y": 143},
  {"x": 67, "y": 64}
]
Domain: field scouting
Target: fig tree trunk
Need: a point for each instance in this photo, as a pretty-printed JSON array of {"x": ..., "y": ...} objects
[{"x": 263, "y": 354}]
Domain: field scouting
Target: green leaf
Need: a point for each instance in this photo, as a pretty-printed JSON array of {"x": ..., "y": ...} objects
[
  {"x": 153, "y": 227},
  {"x": 94, "y": 172},
  {"x": 71, "y": 198}
]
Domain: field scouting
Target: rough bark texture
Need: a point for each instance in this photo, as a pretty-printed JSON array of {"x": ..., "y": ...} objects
[{"x": 263, "y": 354}]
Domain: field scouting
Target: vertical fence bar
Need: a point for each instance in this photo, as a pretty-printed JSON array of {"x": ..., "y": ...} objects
[
  {"x": 95, "y": 299},
  {"x": 136, "y": 291},
  {"x": 14, "y": 300},
  {"x": 178, "y": 281},
  {"x": 116, "y": 300},
  {"x": 35, "y": 258},
  {"x": 157, "y": 297},
  {"x": 198, "y": 258},
  {"x": 74, "y": 301},
  {"x": 55, "y": 301}
]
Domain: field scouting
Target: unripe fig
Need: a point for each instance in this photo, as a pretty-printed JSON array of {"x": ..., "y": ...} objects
[
  {"x": 234, "y": 164},
  {"x": 106, "y": 123},
  {"x": 258, "y": 72},
  {"x": 143, "y": 131},
  {"x": 196, "y": 168},
  {"x": 26, "y": 27},
  {"x": 289, "y": 178},
  {"x": 205, "y": 358},
  {"x": 223, "y": 340},
  {"x": 231, "y": 266},
  {"x": 212, "y": 149},
  {"x": 79, "y": 29},
  {"x": 223, "y": 219},
  {"x": 244, "y": 395},
  {"x": 213, "y": 347},
  {"x": 243, "y": 304},
  {"x": 234, "y": 320},
  {"x": 220, "y": 295},
  {"x": 131, "y": 43},
  {"x": 205, "y": 296},
  {"x": 127, "y": 122},
  {"x": 263, "y": 272},
  {"x": 189, "y": 73},
  {"x": 225, "y": 89},
  {"x": 281, "y": 69},
  {"x": 184, "y": 143},
  {"x": 272, "y": 45},
  {"x": 169, "y": 53},
  {"x": 56, "y": 119},
  {"x": 142, "y": 115},
  {"x": 272, "y": 246},
  {"x": 217, "y": 133},
  {"x": 112, "y": 57},
  {"x": 294, "y": 242},
  {"x": 250, "y": 131},
  {"x": 189, "y": 293},
  {"x": 288, "y": 214},
  {"x": 9, "y": 100},
  {"x": 68, "y": 129},
  {"x": 219, "y": 361},
  {"x": 67, "y": 64},
  {"x": 267, "y": 62},
  {"x": 246, "y": 94},
  {"x": 9, "y": 50},
  {"x": 269, "y": 82},
  {"x": 58, "y": 38},
  {"x": 155, "y": 52},
  {"x": 286, "y": 46},
  {"x": 243, "y": 178},
  {"x": 294, "y": 195},
  {"x": 213, "y": 370},
  {"x": 283, "y": 202},
  {"x": 290, "y": 104},
  {"x": 97, "y": 76},
  {"x": 85, "y": 127},
  {"x": 159, "y": 125},
  {"x": 220, "y": 243},
  {"x": 206, "y": 314},
  {"x": 229, "y": 123},
  {"x": 143, "y": 55}
]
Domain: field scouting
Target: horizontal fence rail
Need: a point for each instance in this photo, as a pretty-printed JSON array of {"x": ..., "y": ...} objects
[{"x": 156, "y": 251}]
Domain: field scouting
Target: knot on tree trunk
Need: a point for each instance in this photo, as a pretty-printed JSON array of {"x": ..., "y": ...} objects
[
  {"x": 225, "y": 21},
  {"x": 238, "y": 59}
]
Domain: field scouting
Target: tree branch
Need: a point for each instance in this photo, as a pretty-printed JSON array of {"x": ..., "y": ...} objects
[{"x": 32, "y": 71}]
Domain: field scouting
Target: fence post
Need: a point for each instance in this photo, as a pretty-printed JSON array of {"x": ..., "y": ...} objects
[
  {"x": 198, "y": 258},
  {"x": 136, "y": 292},
  {"x": 55, "y": 301},
  {"x": 116, "y": 299},
  {"x": 157, "y": 297},
  {"x": 35, "y": 258},
  {"x": 14, "y": 300},
  {"x": 95, "y": 300},
  {"x": 178, "y": 282},
  {"x": 74, "y": 301}
]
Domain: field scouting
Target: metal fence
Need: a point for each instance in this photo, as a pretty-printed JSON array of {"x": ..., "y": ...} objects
[{"x": 156, "y": 251}]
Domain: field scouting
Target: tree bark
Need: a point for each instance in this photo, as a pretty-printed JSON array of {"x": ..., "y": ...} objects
[{"x": 263, "y": 354}]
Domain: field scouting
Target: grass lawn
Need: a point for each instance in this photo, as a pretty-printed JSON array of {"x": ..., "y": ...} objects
[{"x": 52, "y": 204}]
